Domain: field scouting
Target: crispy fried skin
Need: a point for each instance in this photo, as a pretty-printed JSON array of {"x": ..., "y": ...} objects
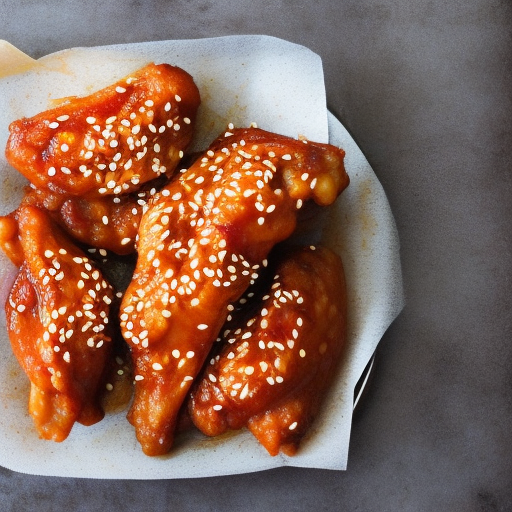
[
  {"x": 201, "y": 244},
  {"x": 276, "y": 362},
  {"x": 57, "y": 319},
  {"x": 111, "y": 141}
]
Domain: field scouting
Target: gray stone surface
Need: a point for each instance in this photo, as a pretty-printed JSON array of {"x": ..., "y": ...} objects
[{"x": 425, "y": 89}]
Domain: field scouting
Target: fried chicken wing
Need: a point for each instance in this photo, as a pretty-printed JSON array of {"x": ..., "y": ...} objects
[
  {"x": 57, "y": 318},
  {"x": 277, "y": 359},
  {"x": 202, "y": 242},
  {"x": 111, "y": 141}
]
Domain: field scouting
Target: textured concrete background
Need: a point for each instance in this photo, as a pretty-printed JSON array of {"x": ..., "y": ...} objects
[{"x": 425, "y": 89}]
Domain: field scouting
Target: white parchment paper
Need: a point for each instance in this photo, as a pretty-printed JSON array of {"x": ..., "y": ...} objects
[{"x": 242, "y": 79}]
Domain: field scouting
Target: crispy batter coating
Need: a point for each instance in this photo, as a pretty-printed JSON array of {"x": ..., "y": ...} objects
[
  {"x": 111, "y": 141},
  {"x": 278, "y": 354},
  {"x": 202, "y": 242},
  {"x": 57, "y": 319}
]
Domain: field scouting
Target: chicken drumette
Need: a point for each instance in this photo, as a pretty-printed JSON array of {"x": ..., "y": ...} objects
[
  {"x": 202, "y": 242},
  {"x": 278, "y": 354},
  {"x": 58, "y": 322}
]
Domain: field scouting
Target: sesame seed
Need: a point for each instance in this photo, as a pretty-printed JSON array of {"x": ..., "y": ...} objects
[
  {"x": 53, "y": 125},
  {"x": 245, "y": 391},
  {"x": 157, "y": 366}
]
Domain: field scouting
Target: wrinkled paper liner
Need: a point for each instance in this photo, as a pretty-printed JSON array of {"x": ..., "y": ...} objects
[{"x": 242, "y": 79}]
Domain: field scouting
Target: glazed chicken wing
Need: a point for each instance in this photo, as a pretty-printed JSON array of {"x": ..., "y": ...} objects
[
  {"x": 110, "y": 142},
  {"x": 57, "y": 318},
  {"x": 201, "y": 243},
  {"x": 276, "y": 361}
]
